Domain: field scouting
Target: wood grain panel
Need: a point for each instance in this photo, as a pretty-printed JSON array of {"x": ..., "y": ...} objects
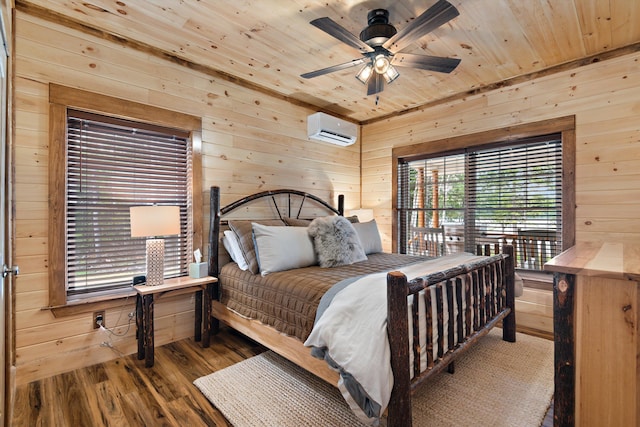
[
  {"x": 266, "y": 46},
  {"x": 617, "y": 129},
  {"x": 606, "y": 336}
]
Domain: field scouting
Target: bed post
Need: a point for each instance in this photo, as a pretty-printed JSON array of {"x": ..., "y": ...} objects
[
  {"x": 341, "y": 204},
  {"x": 509, "y": 322},
  {"x": 214, "y": 232},
  {"x": 399, "y": 410}
]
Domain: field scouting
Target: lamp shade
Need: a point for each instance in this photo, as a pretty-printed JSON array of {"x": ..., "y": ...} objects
[{"x": 148, "y": 221}]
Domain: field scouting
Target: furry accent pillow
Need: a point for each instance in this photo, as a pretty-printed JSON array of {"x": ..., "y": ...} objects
[{"x": 335, "y": 241}]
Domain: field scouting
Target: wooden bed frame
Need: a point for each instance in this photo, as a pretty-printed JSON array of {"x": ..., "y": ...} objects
[{"x": 490, "y": 281}]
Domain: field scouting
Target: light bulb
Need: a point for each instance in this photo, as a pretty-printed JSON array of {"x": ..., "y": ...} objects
[
  {"x": 391, "y": 74},
  {"x": 365, "y": 73},
  {"x": 381, "y": 64}
]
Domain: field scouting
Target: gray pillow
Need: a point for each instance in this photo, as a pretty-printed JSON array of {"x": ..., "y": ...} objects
[
  {"x": 353, "y": 219},
  {"x": 296, "y": 222},
  {"x": 369, "y": 236},
  {"x": 282, "y": 248},
  {"x": 335, "y": 241}
]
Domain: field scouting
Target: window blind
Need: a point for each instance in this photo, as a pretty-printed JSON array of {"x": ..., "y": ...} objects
[
  {"x": 114, "y": 164},
  {"x": 487, "y": 195},
  {"x": 515, "y": 188}
]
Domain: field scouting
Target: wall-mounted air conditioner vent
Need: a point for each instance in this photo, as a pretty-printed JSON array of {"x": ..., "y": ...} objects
[{"x": 326, "y": 128}]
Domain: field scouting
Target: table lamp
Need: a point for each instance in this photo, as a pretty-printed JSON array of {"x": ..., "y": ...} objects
[{"x": 155, "y": 221}]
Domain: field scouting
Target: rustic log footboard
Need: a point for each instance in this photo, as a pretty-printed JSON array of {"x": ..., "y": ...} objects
[{"x": 488, "y": 283}]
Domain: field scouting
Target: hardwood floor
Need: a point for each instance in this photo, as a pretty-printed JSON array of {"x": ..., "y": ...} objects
[{"x": 123, "y": 392}]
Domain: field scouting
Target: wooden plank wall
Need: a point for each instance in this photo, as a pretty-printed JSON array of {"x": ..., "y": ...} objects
[
  {"x": 604, "y": 97},
  {"x": 250, "y": 143}
]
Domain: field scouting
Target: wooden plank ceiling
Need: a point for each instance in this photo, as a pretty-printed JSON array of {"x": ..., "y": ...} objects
[{"x": 267, "y": 44}]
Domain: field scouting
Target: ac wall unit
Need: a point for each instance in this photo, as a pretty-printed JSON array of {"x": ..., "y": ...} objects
[{"x": 326, "y": 128}]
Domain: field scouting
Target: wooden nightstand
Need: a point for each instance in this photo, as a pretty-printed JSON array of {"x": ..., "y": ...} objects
[
  {"x": 596, "y": 326},
  {"x": 203, "y": 287}
]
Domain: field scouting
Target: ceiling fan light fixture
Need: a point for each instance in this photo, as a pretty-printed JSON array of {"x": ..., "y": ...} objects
[
  {"x": 365, "y": 73},
  {"x": 391, "y": 74},
  {"x": 381, "y": 64},
  {"x": 381, "y": 45}
]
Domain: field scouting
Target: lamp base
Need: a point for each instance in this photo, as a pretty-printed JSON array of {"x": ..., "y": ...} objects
[{"x": 155, "y": 262}]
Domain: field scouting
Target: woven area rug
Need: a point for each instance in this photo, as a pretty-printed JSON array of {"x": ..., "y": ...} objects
[{"x": 496, "y": 384}]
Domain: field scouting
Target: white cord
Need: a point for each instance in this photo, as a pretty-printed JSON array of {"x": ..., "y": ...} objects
[{"x": 111, "y": 332}]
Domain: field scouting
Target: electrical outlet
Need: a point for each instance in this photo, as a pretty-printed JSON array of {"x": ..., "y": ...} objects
[{"x": 98, "y": 319}]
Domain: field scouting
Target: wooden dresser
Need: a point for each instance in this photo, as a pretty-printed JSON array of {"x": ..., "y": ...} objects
[{"x": 596, "y": 324}]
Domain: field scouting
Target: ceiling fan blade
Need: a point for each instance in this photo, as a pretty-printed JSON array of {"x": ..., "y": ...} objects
[
  {"x": 376, "y": 84},
  {"x": 425, "y": 62},
  {"x": 333, "y": 68},
  {"x": 437, "y": 15},
  {"x": 332, "y": 28}
]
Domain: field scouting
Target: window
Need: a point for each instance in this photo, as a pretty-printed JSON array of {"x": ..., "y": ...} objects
[
  {"x": 101, "y": 165},
  {"x": 112, "y": 165},
  {"x": 486, "y": 195}
]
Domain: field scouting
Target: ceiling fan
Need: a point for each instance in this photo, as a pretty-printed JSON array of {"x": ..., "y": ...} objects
[{"x": 380, "y": 42}]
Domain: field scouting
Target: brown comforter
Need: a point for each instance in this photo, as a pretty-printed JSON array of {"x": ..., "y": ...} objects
[{"x": 288, "y": 300}]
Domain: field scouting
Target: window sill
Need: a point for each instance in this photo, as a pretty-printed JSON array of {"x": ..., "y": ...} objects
[{"x": 88, "y": 305}]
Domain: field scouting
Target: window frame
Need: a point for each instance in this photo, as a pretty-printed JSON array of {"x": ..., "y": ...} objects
[
  {"x": 565, "y": 126},
  {"x": 62, "y": 98}
]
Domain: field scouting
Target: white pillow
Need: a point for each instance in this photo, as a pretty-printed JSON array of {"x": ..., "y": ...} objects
[
  {"x": 232, "y": 245},
  {"x": 281, "y": 248},
  {"x": 369, "y": 236}
]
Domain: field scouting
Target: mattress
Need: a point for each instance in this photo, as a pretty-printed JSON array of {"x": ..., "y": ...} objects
[{"x": 288, "y": 300}]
